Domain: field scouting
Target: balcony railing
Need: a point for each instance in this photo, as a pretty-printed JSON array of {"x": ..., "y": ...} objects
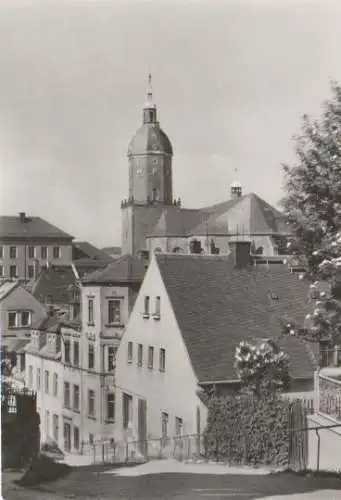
[{"x": 329, "y": 397}]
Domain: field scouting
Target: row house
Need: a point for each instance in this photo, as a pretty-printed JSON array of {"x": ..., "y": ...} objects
[{"x": 72, "y": 365}]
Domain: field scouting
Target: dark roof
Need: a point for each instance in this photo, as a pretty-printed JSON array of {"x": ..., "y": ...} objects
[
  {"x": 18, "y": 345},
  {"x": 150, "y": 138},
  {"x": 6, "y": 287},
  {"x": 33, "y": 227},
  {"x": 84, "y": 250},
  {"x": 53, "y": 284},
  {"x": 126, "y": 268},
  {"x": 84, "y": 267},
  {"x": 217, "y": 306},
  {"x": 177, "y": 221},
  {"x": 48, "y": 324},
  {"x": 112, "y": 250}
]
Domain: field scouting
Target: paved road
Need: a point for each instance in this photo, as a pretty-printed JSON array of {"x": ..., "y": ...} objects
[{"x": 86, "y": 484}]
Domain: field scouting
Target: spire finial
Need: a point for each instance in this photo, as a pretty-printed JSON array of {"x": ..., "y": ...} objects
[{"x": 150, "y": 103}]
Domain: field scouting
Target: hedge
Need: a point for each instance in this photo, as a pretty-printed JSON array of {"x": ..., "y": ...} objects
[{"x": 249, "y": 429}]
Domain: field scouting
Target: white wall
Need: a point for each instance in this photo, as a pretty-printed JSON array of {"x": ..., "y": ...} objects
[{"x": 174, "y": 391}]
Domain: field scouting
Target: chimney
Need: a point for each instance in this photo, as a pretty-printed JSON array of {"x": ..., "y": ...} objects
[
  {"x": 236, "y": 190},
  {"x": 240, "y": 253},
  {"x": 22, "y": 217}
]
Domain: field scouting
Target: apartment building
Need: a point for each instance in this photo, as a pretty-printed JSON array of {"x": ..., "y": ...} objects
[{"x": 29, "y": 243}]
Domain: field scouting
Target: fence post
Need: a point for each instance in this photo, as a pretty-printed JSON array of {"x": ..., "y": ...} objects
[{"x": 318, "y": 450}]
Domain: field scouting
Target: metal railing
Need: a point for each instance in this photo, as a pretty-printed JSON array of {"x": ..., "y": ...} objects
[{"x": 329, "y": 397}]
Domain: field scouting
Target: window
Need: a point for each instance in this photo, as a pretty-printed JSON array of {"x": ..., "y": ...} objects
[
  {"x": 91, "y": 403},
  {"x": 38, "y": 379},
  {"x": 146, "y": 305},
  {"x": 55, "y": 424},
  {"x": 91, "y": 357},
  {"x": 140, "y": 355},
  {"x": 75, "y": 310},
  {"x": 31, "y": 252},
  {"x": 55, "y": 384},
  {"x": 30, "y": 376},
  {"x": 178, "y": 426},
  {"x": 76, "y": 397},
  {"x": 22, "y": 361},
  {"x": 1, "y": 270},
  {"x": 127, "y": 409},
  {"x": 13, "y": 271},
  {"x": 46, "y": 381},
  {"x": 66, "y": 394},
  {"x": 76, "y": 353},
  {"x": 47, "y": 423},
  {"x": 91, "y": 311},
  {"x": 111, "y": 406},
  {"x": 30, "y": 271},
  {"x": 162, "y": 360},
  {"x": 43, "y": 253},
  {"x": 164, "y": 424},
  {"x": 76, "y": 438},
  {"x": 154, "y": 194},
  {"x": 67, "y": 349},
  {"x": 111, "y": 358},
  {"x": 56, "y": 252},
  {"x": 91, "y": 438},
  {"x": 25, "y": 318},
  {"x": 12, "y": 252},
  {"x": 1, "y": 252},
  {"x": 157, "y": 306},
  {"x": 150, "y": 357},
  {"x": 114, "y": 311},
  {"x": 130, "y": 352},
  {"x": 12, "y": 319}
]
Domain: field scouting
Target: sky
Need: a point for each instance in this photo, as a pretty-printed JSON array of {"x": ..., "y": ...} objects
[{"x": 231, "y": 82}]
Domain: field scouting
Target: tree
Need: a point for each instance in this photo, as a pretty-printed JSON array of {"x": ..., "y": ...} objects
[
  {"x": 313, "y": 207},
  {"x": 262, "y": 368}
]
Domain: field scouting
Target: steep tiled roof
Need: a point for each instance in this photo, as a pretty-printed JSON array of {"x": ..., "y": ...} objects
[
  {"x": 248, "y": 214},
  {"x": 50, "y": 324},
  {"x": 53, "y": 283},
  {"x": 84, "y": 250},
  {"x": 150, "y": 138},
  {"x": 33, "y": 227},
  {"x": 6, "y": 287},
  {"x": 176, "y": 221},
  {"x": 217, "y": 306},
  {"x": 123, "y": 269}
]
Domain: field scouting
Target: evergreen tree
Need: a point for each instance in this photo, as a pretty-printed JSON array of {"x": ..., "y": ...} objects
[{"x": 313, "y": 206}]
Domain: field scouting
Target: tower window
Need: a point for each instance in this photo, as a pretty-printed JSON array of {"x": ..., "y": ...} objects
[{"x": 155, "y": 162}]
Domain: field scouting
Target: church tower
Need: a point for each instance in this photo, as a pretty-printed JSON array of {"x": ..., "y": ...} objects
[{"x": 150, "y": 178}]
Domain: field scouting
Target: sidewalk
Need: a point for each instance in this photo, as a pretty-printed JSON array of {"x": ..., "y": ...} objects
[{"x": 173, "y": 466}]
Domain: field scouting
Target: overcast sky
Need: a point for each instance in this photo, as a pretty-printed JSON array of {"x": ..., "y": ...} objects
[{"x": 231, "y": 81}]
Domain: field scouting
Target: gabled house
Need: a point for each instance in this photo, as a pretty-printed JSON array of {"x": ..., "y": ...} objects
[
  {"x": 191, "y": 313},
  {"x": 19, "y": 309}
]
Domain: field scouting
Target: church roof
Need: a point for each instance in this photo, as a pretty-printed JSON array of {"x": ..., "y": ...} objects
[
  {"x": 248, "y": 214},
  {"x": 150, "y": 138},
  {"x": 176, "y": 221},
  {"x": 210, "y": 298}
]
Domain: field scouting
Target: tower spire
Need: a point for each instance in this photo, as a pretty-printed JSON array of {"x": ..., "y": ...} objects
[{"x": 149, "y": 109}]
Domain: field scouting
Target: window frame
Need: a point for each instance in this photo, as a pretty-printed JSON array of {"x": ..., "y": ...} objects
[
  {"x": 114, "y": 318},
  {"x": 110, "y": 404},
  {"x": 31, "y": 252},
  {"x": 162, "y": 360},
  {"x": 13, "y": 254},
  {"x": 91, "y": 398},
  {"x": 11, "y": 274},
  {"x": 55, "y": 384},
  {"x": 67, "y": 351},
  {"x": 130, "y": 352},
  {"x": 140, "y": 355},
  {"x": 150, "y": 357},
  {"x": 15, "y": 315},
  {"x": 56, "y": 250},
  {"x": 44, "y": 252},
  {"x": 112, "y": 352},
  {"x": 76, "y": 353},
  {"x": 91, "y": 355},
  {"x": 91, "y": 317},
  {"x": 76, "y": 397},
  {"x": 46, "y": 382},
  {"x": 67, "y": 401}
]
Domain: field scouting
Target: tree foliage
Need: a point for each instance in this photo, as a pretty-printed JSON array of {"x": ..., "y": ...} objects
[
  {"x": 262, "y": 368},
  {"x": 313, "y": 206}
]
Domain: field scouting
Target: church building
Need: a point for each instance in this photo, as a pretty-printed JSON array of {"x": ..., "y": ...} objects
[{"x": 153, "y": 219}]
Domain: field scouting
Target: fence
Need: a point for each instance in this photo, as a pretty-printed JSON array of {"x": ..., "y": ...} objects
[
  {"x": 329, "y": 397},
  {"x": 180, "y": 447}
]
